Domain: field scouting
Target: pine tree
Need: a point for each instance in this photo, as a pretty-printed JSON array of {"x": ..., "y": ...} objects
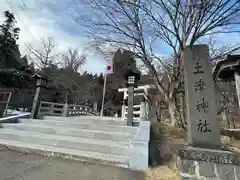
[
  {"x": 24, "y": 61},
  {"x": 9, "y": 50}
]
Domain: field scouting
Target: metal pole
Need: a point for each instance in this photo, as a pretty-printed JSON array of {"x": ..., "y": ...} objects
[{"x": 104, "y": 92}]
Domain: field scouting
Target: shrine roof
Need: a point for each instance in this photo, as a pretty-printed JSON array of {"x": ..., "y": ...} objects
[
  {"x": 225, "y": 69},
  {"x": 39, "y": 75}
]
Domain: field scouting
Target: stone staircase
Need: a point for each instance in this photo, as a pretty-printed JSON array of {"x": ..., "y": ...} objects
[{"x": 104, "y": 140}]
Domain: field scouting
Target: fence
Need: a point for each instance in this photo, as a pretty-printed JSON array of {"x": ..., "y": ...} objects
[{"x": 58, "y": 109}]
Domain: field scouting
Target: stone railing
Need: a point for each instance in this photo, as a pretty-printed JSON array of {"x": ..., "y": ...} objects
[
  {"x": 58, "y": 109},
  {"x": 81, "y": 110},
  {"x": 139, "y": 156}
]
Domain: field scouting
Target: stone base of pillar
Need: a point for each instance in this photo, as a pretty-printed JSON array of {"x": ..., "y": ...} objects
[
  {"x": 199, "y": 163},
  {"x": 139, "y": 154}
]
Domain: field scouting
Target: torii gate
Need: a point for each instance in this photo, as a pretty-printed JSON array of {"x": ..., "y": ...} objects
[
  {"x": 140, "y": 110},
  {"x": 229, "y": 69}
]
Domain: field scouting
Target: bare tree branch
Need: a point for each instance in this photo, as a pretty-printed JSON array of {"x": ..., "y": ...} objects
[
  {"x": 145, "y": 27},
  {"x": 44, "y": 54}
]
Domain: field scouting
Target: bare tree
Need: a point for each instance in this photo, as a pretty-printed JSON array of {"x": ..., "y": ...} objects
[
  {"x": 72, "y": 62},
  {"x": 44, "y": 55},
  {"x": 147, "y": 26}
]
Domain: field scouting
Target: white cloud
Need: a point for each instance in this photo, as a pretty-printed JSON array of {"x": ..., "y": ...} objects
[{"x": 37, "y": 21}]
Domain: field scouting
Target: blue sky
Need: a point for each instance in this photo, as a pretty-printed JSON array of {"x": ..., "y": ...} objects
[
  {"x": 42, "y": 18},
  {"x": 39, "y": 19}
]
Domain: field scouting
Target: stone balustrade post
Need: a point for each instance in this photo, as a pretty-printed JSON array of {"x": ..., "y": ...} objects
[
  {"x": 65, "y": 110},
  {"x": 139, "y": 147},
  {"x": 147, "y": 110},
  {"x": 95, "y": 106},
  {"x": 123, "y": 111},
  {"x": 142, "y": 111}
]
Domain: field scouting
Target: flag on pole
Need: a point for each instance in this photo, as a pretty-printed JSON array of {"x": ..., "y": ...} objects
[{"x": 109, "y": 70}]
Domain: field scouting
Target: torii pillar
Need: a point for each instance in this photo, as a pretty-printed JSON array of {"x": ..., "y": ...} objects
[{"x": 229, "y": 69}]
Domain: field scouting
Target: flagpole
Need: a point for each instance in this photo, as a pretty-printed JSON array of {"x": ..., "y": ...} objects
[{"x": 104, "y": 92}]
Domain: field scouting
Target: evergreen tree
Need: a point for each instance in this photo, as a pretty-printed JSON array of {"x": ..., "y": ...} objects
[
  {"x": 24, "y": 62},
  {"x": 9, "y": 50}
]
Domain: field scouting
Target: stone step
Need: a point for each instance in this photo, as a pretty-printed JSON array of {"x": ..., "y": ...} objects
[
  {"x": 102, "y": 146},
  {"x": 83, "y": 156},
  {"x": 84, "y": 133},
  {"x": 80, "y": 125},
  {"x": 86, "y": 117},
  {"x": 90, "y": 119}
]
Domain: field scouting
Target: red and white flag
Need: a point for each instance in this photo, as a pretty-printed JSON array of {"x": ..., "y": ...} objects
[{"x": 109, "y": 69}]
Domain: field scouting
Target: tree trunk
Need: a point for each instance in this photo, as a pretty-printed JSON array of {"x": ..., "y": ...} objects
[
  {"x": 172, "y": 113},
  {"x": 225, "y": 118},
  {"x": 231, "y": 120},
  {"x": 182, "y": 113}
]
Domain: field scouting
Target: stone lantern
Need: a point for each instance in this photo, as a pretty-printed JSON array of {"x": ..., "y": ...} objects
[
  {"x": 41, "y": 83},
  {"x": 132, "y": 78}
]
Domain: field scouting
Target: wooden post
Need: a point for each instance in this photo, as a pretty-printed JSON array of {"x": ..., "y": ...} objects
[{"x": 9, "y": 94}]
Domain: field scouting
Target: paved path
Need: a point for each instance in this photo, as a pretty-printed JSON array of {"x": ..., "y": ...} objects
[{"x": 20, "y": 166}]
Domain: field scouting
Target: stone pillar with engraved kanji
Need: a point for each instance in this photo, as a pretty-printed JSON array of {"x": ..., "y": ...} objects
[{"x": 203, "y": 127}]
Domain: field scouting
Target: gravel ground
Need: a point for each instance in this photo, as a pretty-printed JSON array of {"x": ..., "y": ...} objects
[
  {"x": 160, "y": 173},
  {"x": 22, "y": 166}
]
